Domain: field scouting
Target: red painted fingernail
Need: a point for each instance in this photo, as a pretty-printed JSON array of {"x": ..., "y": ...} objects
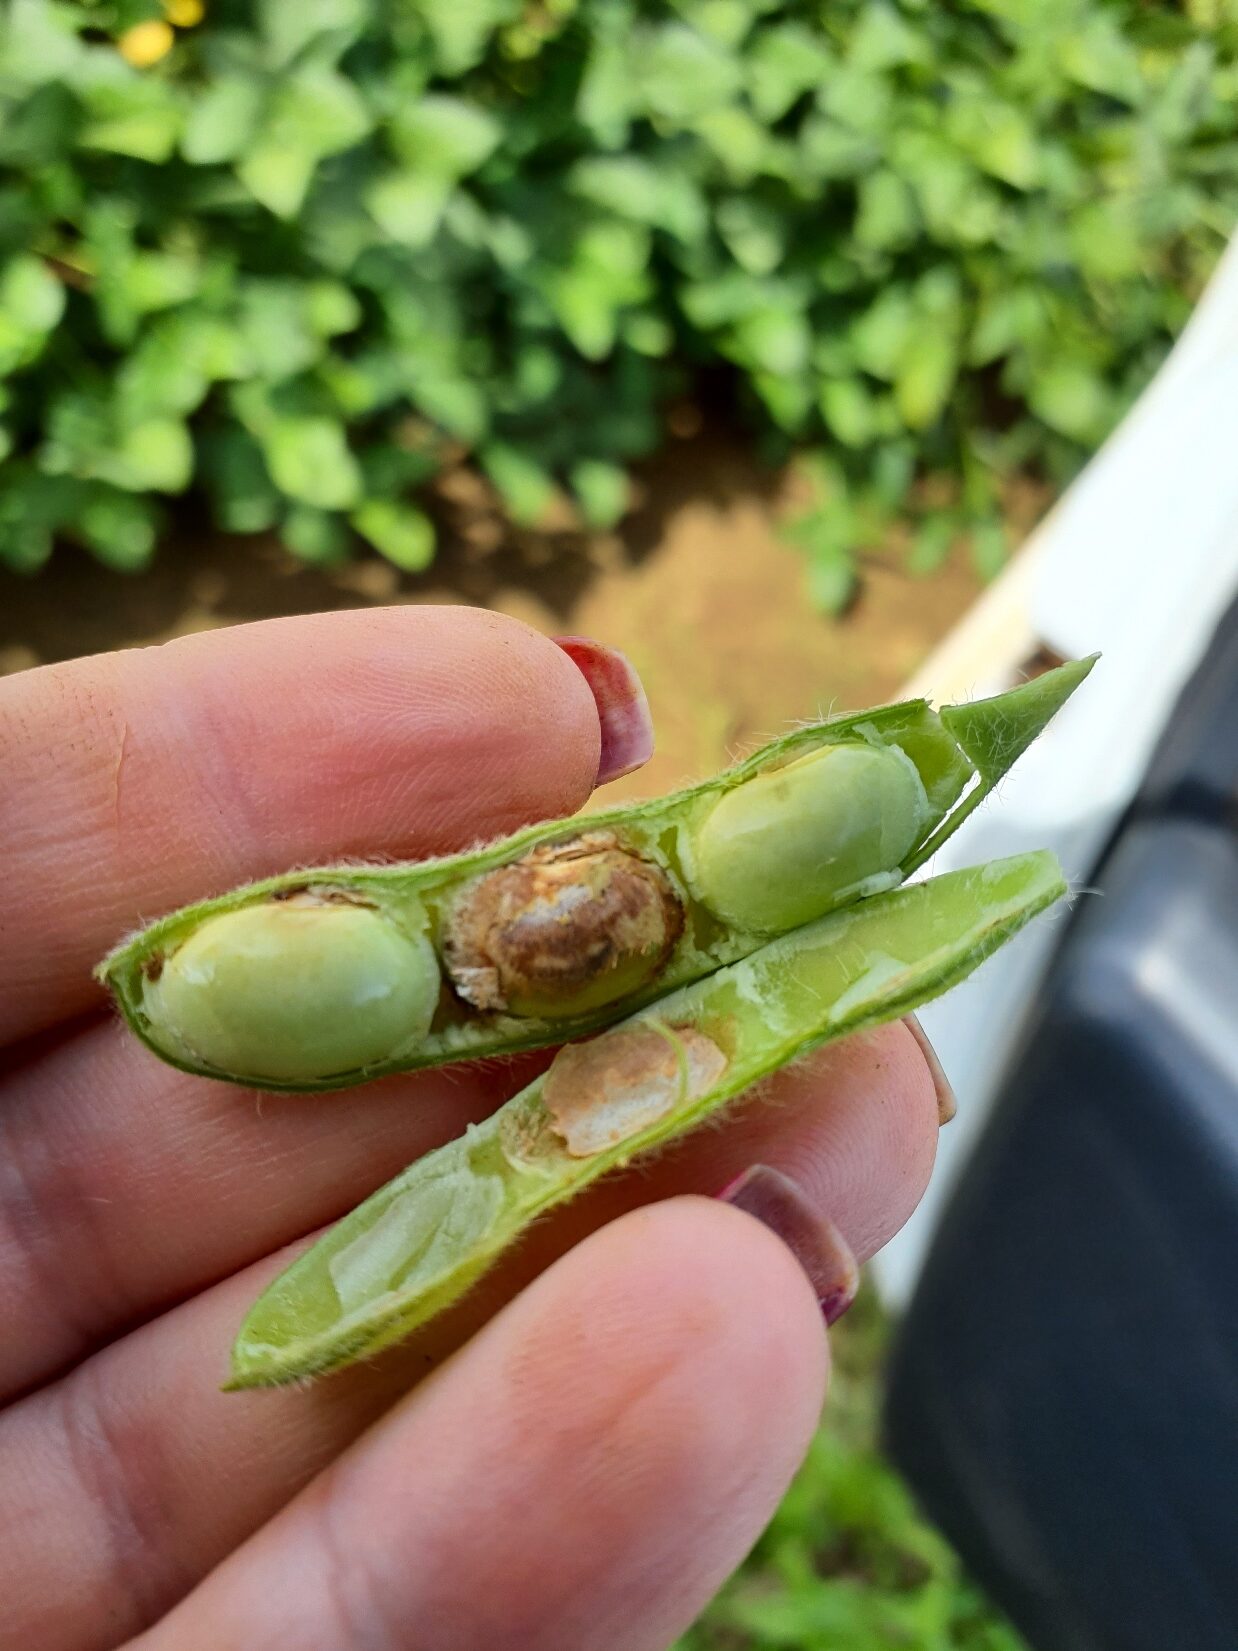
[
  {"x": 780, "y": 1204},
  {"x": 947, "y": 1106},
  {"x": 623, "y": 710}
]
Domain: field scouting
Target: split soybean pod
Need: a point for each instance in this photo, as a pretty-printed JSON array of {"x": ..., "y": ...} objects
[
  {"x": 323, "y": 978},
  {"x": 421, "y": 1241}
]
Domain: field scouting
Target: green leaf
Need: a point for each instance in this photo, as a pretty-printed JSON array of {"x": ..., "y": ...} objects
[
  {"x": 527, "y": 489},
  {"x": 289, "y": 29},
  {"x": 602, "y": 490},
  {"x": 848, "y": 409},
  {"x": 443, "y": 137},
  {"x": 244, "y": 497},
  {"x": 887, "y": 215},
  {"x": 882, "y": 40},
  {"x": 456, "y": 403},
  {"x": 331, "y": 308},
  {"x": 1098, "y": 56},
  {"x": 881, "y": 336},
  {"x": 131, "y": 114},
  {"x": 1071, "y": 398},
  {"x": 317, "y": 111},
  {"x": 788, "y": 399},
  {"x": 606, "y": 98},
  {"x": 1107, "y": 239},
  {"x": 222, "y": 119},
  {"x": 648, "y": 334},
  {"x": 999, "y": 138},
  {"x": 783, "y": 63},
  {"x": 461, "y": 28},
  {"x": 400, "y": 532},
  {"x": 892, "y": 473},
  {"x": 38, "y": 131},
  {"x": 39, "y": 42},
  {"x": 409, "y": 206},
  {"x": 275, "y": 337},
  {"x": 681, "y": 75},
  {"x": 776, "y": 341},
  {"x": 932, "y": 543},
  {"x": 31, "y": 298},
  {"x": 739, "y": 144},
  {"x": 153, "y": 456},
  {"x": 830, "y": 150},
  {"x": 990, "y": 547},
  {"x": 25, "y": 547},
  {"x": 925, "y": 375},
  {"x": 632, "y": 188},
  {"x": 277, "y": 177},
  {"x": 158, "y": 280},
  {"x": 310, "y": 461},
  {"x": 311, "y": 114},
  {"x": 726, "y": 21},
  {"x": 1007, "y": 317},
  {"x": 316, "y": 536},
  {"x": 831, "y": 577},
  {"x": 119, "y": 529},
  {"x": 859, "y": 100},
  {"x": 170, "y": 370},
  {"x": 754, "y": 232}
]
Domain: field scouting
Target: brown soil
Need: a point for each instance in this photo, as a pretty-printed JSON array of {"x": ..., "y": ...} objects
[{"x": 698, "y": 589}]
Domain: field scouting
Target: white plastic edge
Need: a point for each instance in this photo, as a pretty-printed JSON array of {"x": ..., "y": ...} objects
[{"x": 1139, "y": 560}]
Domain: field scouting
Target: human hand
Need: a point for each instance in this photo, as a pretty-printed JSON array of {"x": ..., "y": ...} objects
[{"x": 575, "y": 1457}]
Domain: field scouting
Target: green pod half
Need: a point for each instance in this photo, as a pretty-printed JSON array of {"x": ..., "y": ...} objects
[
  {"x": 572, "y": 924},
  {"x": 421, "y": 1241}
]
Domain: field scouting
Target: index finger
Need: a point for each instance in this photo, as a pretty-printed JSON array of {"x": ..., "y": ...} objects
[{"x": 137, "y": 781}]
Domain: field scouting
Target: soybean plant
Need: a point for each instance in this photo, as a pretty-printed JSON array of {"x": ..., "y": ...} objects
[{"x": 328, "y": 977}]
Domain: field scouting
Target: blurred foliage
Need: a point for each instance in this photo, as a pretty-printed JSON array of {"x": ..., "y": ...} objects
[
  {"x": 848, "y": 1564},
  {"x": 301, "y": 254}
]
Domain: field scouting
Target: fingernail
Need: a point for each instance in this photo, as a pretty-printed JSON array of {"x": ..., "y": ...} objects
[
  {"x": 623, "y": 710},
  {"x": 815, "y": 1242},
  {"x": 947, "y": 1105}
]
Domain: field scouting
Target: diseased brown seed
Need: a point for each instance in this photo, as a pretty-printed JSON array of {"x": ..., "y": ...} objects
[
  {"x": 603, "y": 1092},
  {"x": 564, "y": 929}
]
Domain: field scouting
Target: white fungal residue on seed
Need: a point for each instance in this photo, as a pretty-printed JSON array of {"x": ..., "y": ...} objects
[{"x": 601, "y": 1093}]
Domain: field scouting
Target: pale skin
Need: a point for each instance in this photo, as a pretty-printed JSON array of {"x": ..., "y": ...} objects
[{"x": 575, "y": 1457}]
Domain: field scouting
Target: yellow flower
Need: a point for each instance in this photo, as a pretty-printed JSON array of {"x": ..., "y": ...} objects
[
  {"x": 184, "y": 13},
  {"x": 145, "y": 43}
]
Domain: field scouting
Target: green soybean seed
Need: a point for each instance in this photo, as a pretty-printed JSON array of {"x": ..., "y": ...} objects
[
  {"x": 570, "y": 925},
  {"x": 422, "y": 1240},
  {"x": 784, "y": 848},
  {"x": 295, "y": 988}
]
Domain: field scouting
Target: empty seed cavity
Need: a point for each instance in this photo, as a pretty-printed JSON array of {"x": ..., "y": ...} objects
[
  {"x": 602, "y": 1093},
  {"x": 567, "y": 927}
]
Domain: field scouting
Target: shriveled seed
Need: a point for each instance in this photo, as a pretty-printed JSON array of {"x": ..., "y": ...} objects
[
  {"x": 562, "y": 930},
  {"x": 601, "y": 1093}
]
